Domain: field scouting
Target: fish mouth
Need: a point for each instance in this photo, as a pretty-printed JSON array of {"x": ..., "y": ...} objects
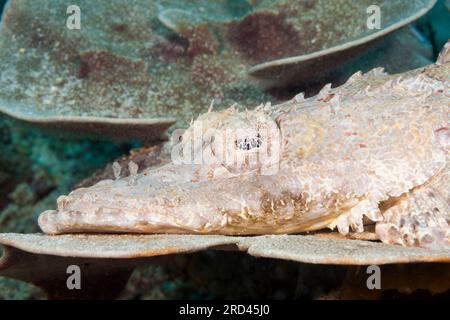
[
  {"x": 50, "y": 223},
  {"x": 167, "y": 201},
  {"x": 63, "y": 222}
]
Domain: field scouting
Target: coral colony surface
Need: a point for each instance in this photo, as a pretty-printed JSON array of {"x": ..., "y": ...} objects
[{"x": 225, "y": 149}]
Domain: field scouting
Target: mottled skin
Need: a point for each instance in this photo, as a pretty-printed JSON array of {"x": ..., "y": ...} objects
[{"x": 373, "y": 150}]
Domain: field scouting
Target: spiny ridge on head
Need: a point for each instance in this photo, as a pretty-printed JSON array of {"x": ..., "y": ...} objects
[{"x": 376, "y": 72}]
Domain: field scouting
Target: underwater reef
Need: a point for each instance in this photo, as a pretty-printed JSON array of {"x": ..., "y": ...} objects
[{"x": 37, "y": 166}]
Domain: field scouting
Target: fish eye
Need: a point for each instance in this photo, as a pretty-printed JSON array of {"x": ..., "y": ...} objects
[{"x": 249, "y": 143}]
